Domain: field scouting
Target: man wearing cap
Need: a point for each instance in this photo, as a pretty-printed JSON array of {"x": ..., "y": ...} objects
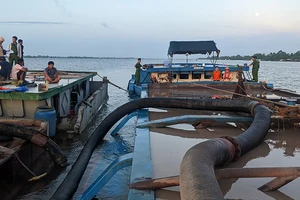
[
  {"x": 14, "y": 46},
  {"x": 4, "y": 69},
  {"x": 227, "y": 75},
  {"x": 2, "y": 51},
  {"x": 255, "y": 67}
]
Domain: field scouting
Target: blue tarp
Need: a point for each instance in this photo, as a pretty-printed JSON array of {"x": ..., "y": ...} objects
[
  {"x": 192, "y": 47},
  {"x": 17, "y": 89}
]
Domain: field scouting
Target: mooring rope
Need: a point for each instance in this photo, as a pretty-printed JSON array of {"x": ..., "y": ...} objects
[{"x": 113, "y": 84}]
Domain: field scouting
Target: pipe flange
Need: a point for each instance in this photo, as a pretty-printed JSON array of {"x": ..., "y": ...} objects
[
  {"x": 252, "y": 109},
  {"x": 231, "y": 149},
  {"x": 237, "y": 152}
]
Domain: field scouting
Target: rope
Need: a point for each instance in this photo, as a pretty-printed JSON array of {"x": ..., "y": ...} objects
[{"x": 119, "y": 87}]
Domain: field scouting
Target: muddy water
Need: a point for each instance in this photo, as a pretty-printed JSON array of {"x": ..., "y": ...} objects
[
  {"x": 119, "y": 72},
  {"x": 280, "y": 149}
]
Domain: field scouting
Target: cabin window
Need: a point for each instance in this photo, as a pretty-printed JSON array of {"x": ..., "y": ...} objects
[
  {"x": 184, "y": 76},
  {"x": 207, "y": 75},
  {"x": 197, "y": 75}
]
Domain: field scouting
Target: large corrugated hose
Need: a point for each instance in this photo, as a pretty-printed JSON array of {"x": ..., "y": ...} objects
[
  {"x": 69, "y": 185},
  {"x": 197, "y": 176},
  {"x": 37, "y": 138}
]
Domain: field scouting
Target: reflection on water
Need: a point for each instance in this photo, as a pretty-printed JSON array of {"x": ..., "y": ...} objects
[{"x": 280, "y": 149}]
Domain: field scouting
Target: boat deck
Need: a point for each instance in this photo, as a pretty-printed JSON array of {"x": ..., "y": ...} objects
[
  {"x": 68, "y": 80},
  {"x": 169, "y": 144},
  {"x": 224, "y": 90}
]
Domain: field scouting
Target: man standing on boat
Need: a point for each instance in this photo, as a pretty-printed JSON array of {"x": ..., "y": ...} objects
[
  {"x": 137, "y": 71},
  {"x": 14, "y": 46},
  {"x": 2, "y": 51},
  {"x": 21, "y": 48},
  {"x": 255, "y": 67}
]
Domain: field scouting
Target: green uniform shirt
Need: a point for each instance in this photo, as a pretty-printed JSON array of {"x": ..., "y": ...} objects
[
  {"x": 255, "y": 64},
  {"x": 14, "y": 48},
  {"x": 138, "y": 66}
]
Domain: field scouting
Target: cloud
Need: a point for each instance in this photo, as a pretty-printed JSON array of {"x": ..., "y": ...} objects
[
  {"x": 62, "y": 7},
  {"x": 105, "y": 25},
  {"x": 32, "y": 23}
]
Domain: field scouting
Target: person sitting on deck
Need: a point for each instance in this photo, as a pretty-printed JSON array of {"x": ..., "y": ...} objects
[
  {"x": 153, "y": 79},
  {"x": 4, "y": 69},
  {"x": 51, "y": 74},
  {"x": 18, "y": 71},
  {"x": 216, "y": 75},
  {"x": 227, "y": 75}
]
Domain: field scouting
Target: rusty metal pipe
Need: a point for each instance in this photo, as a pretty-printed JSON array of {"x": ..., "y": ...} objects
[
  {"x": 277, "y": 183},
  {"x": 37, "y": 138},
  {"x": 221, "y": 174}
]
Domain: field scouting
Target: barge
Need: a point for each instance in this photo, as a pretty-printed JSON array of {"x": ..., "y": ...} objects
[
  {"x": 75, "y": 99},
  {"x": 30, "y": 115},
  {"x": 200, "y": 139}
]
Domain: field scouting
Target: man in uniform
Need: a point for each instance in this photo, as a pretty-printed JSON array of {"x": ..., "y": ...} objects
[
  {"x": 13, "y": 57},
  {"x": 255, "y": 67},
  {"x": 137, "y": 71}
]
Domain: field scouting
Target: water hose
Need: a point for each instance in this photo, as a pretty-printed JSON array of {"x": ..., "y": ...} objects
[
  {"x": 69, "y": 185},
  {"x": 197, "y": 175}
]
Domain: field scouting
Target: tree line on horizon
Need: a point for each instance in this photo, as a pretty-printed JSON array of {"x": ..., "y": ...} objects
[{"x": 279, "y": 56}]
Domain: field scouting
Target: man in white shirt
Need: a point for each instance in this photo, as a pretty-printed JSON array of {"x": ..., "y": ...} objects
[{"x": 18, "y": 71}]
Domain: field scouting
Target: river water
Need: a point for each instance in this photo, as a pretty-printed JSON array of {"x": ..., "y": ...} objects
[{"x": 118, "y": 71}]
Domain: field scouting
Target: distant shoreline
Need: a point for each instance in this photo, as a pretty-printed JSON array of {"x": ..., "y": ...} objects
[{"x": 81, "y": 57}]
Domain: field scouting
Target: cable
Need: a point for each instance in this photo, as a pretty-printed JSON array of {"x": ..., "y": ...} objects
[{"x": 119, "y": 87}]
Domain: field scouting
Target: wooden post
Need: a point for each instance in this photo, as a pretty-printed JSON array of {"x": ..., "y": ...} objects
[{"x": 277, "y": 183}]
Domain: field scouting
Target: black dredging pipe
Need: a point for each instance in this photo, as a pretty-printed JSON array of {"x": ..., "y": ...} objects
[
  {"x": 69, "y": 185},
  {"x": 197, "y": 176},
  {"x": 37, "y": 138}
]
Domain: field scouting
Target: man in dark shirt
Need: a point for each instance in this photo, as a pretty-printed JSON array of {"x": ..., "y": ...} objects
[
  {"x": 137, "y": 71},
  {"x": 21, "y": 52},
  {"x": 4, "y": 68},
  {"x": 51, "y": 74}
]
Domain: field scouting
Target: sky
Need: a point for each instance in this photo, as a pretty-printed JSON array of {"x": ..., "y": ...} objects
[{"x": 133, "y": 28}]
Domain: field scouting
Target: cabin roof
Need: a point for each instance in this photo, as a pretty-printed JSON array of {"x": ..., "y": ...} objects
[{"x": 192, "y": 47}]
